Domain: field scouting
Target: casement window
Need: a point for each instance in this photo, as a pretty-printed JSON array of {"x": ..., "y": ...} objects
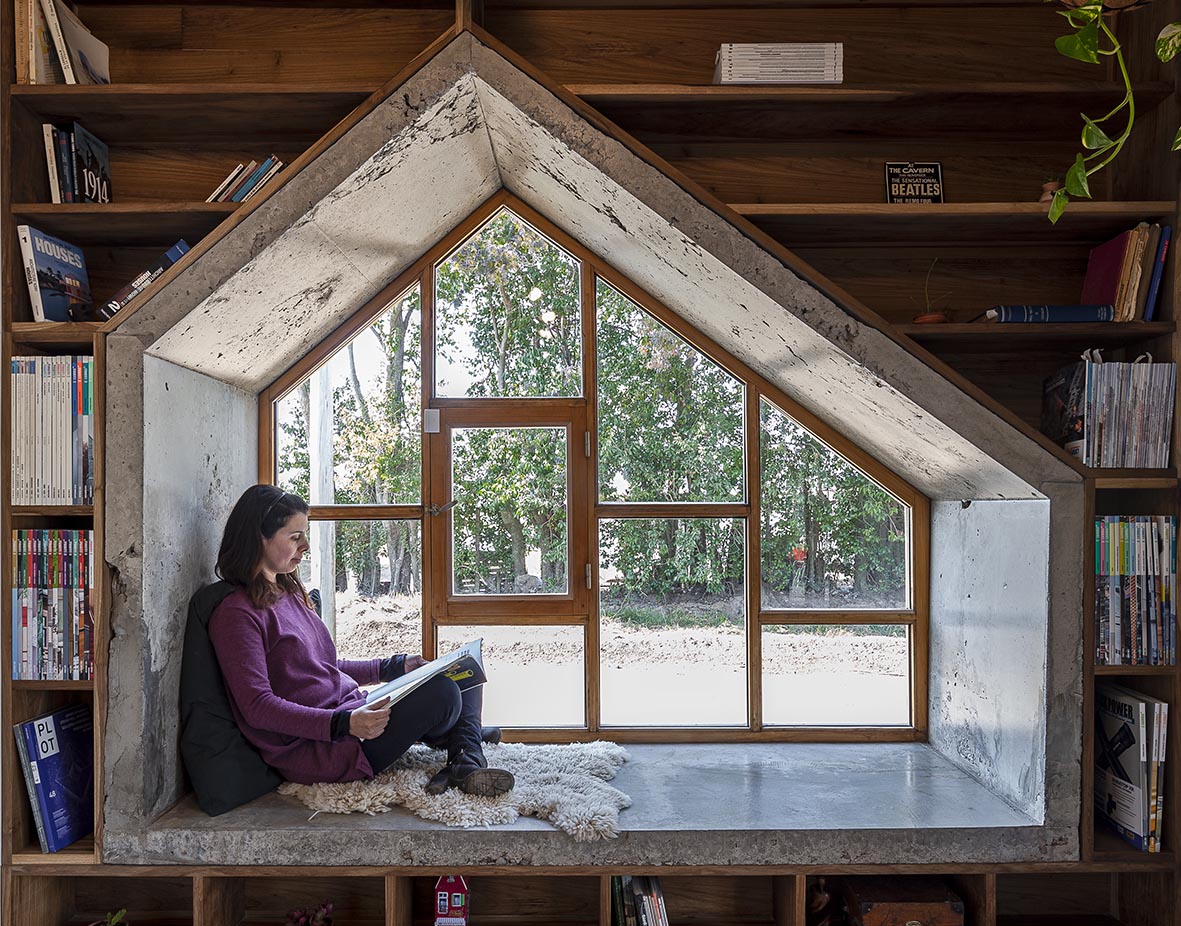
[{"x": 513, "y": 441}]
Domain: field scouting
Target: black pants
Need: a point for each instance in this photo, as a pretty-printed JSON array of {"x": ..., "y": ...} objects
[{"x": 436, "y": 713}]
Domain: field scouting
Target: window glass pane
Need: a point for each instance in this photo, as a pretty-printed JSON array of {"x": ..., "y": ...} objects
[
  {"x": 831, "y": 537},
  {"x": 349, "y": 434},
  {"x": 369, "y": 574},
  {"x": 509, "y": 521},
  {"x": 818, "y": 675},
  {"x": 508, "y": 315},
  {"x": 522, "y": 662},
  {"x": 672, "y": 622},
  {"x": 670, "y": 419}
]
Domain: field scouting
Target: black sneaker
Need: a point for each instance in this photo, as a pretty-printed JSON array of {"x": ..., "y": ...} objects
[{"x": 490, "y": 735}]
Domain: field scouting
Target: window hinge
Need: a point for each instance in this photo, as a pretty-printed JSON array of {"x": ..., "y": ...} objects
[
  {"x": 586, "y": 443},
  {"x": 588, "y": 575}
]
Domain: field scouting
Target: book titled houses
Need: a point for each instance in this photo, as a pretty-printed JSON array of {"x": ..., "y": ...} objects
[
  {"x": 55, "y": 272},
  {"x": 57, "y": 758}
]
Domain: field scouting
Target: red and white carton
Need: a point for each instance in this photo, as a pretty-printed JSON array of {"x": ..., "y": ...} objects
[{"x": 451, "y": 901}]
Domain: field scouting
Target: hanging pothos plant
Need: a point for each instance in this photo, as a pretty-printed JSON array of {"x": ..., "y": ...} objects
[{"x": 1093, "y": 39}]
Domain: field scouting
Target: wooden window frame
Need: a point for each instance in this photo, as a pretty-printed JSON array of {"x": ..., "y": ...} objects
[{"x": 580, "y": 606}]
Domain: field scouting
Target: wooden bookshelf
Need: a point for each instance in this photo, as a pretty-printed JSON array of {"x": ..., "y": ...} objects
[{"x": 210, "y": 84}]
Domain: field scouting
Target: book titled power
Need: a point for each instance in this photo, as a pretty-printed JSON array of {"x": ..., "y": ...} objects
[
  {"x": 1005, "y": 314},
  {"x": 464, "y": 666},
  {"x": 57, "y": 758}
]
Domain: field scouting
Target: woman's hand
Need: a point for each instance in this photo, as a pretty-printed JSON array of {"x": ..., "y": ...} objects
[
  {"x": 370, "y": 721},
  {"x": 413, "y": 662}
]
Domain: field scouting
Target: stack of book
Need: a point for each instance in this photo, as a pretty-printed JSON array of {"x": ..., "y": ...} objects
[
  {"x": 1135, "y": 590},
  {"x": 52, "y": 430},
  {"x": 1126, "y": 272},
  {"x": 1130, "y": 746},
  {"x": 637, "y": 900},
  {"x": 780, "y": 63},
  {"x": 54, "y": 46},
  {"x": 1111, "y": 414},
  {"x": 79, "y": 165},
  {"x": 245, "y": 180},
  {"x": 57, "y": 758},
  {"x": 52, "y": 618}
]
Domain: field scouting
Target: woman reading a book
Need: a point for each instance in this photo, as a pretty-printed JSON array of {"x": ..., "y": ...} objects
[{"x": 299, "y": 705}]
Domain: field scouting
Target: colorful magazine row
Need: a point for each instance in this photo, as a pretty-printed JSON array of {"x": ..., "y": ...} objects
[
  {"x": 1131, "y": 739},
  {"x": 245, "y": 180},
  {"x": 79, "y": 164},
  {"x": 57, "y": 758},
  {"x": 59, "y": 287},
  {"x": 1111, "y": 414},
  {"x": 1135, "y": 590},
  {"x": 637, "y": 900},
  {"x": 52, "y": 430},
  {"x": 52, "y": 617},
  {"x": 54, "y": 46}
]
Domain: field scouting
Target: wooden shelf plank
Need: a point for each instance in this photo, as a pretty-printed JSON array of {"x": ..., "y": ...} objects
[
  {"x": 77, "y": 335},
  {"x": 80, "y": 853},
  {"x": 671, "y": 94},
  {"x": 126, "y": 224},
  {"x": 1109, "y": 478},
  {"x": 52, "y": 511},
  {"x": 200, "y": 114},
  {"x": 1110, "y": 848},
  {"x": 850, "y": 224},
  {"x": 61, "y": 684},
  {"x": 985, "y": 338},
  {"x": 1136, "y": 670}
]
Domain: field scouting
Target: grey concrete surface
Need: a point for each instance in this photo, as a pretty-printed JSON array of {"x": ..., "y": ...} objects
[
  {"x": 328, "y": 238},
  {"x": 989, "y": 618},
  {"x": 750, "y": 804}
]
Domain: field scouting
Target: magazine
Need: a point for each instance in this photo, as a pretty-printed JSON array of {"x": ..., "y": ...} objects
[
  {"x": 55, "y": 271},
  {"x": 464, "y": 666},
  {"x": 1124, "y": 773},
  {"x": 56, "y": 754}
]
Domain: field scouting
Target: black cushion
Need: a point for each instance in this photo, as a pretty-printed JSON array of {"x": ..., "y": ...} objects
[{"x": 226, "y": 771}]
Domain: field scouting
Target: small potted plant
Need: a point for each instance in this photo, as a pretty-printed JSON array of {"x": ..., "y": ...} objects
[
  {"x": 1049, "y": 186},
  {"x": 312, "y": 916},
  {"x": 930, "y": 315},
  {"x": 112, "y": 919}
]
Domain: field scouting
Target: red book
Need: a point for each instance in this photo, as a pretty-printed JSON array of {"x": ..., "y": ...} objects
[{"x": 1105, "y": 270}]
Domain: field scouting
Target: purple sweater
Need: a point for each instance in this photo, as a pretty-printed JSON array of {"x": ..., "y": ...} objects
[{"x": 285, "y": 683}]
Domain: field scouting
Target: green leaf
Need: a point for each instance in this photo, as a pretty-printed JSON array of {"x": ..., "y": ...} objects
[
  {"x": 1094, "y": 138},
  {"x": 1168, "y": 43},
  {"x": 1177, "y": 141},
  {"x": 1084, "y": 46},
  {"x": 1058, "y": 205},
  {"x": 1076, "y": 178}
]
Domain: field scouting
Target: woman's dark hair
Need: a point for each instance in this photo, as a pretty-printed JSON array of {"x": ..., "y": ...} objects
[{"x": 259, "y": 513}]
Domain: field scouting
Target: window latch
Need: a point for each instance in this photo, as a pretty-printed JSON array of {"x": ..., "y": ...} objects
[{"x": 436, "y": 510}]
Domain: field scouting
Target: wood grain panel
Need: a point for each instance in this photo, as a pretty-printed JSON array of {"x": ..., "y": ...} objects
[
  {"x": 1148, "y": 900},
  {"x": 1063, "y": 894},
  {"x": 517, "y": 900},
  {"x": 171, "y": 174},
  {"x": 791, "y": 174},
  {"x": 714, "y": 900},
  {"x": 38, "y": 901},
  {"x": 906, "y": 44},
  {"x": 218, "y": 901},
  {"x": 149, "y": 900},
  {"x": 357, "y": 899}
]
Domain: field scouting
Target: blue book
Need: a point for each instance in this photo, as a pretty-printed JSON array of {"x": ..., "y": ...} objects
[
  {"x": 57, "y": 757},
  {"x": 55, "y": 272},
  {"x": 1038, "y": 314},
  {"x": 1162, "y": 251},
  {"x": 138, "y": 284},
  {"x": 257, "y": 175}
]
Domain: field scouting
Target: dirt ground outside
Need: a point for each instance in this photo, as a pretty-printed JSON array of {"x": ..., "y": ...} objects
[{"x": 655, "y": 676}]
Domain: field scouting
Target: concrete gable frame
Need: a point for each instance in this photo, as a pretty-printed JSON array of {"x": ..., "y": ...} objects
[{"x": 185, "y": 367}]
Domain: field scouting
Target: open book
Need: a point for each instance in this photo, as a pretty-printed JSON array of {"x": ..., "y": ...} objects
[{"x": 463, "y": 666}]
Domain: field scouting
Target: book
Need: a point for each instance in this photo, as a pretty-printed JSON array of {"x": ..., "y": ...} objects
[
  {"x": 1146, "y": 261},
  {"x": 1125, "y": 309},
  {"x": 55, "y": 272},
  {"x": 84, "y": 58},
  {"x": 142, "y": 280},
  {"x": 92, "y": 167},
  {"x": 264, "y": 180},
  {"x": 57, "y": 757},
  {"x": 779, "y": 63},
  {"x": 464, "y": 666},
  {"x": 221, "y": 187},
  {"x": 65, "y": 163},
  {"x": 1105, "y": 270},
  {"x": 255, "y": 175},
  {"x": 44, "y": 68},
  {"x": 1129, "y": 761},
  {"x": 50, "y": 140},
  {"x": 1037, "y": 314},
  {"x": 1162, "y": 253},
  {"x": 233, "y": 188}
]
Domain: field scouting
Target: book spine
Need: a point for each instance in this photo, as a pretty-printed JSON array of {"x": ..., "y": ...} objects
[
  {"x": 221, "y": 187},
  {"x": 1049, "y": 314},
  {"x": 239, "y": 194},
  {"x": 1157, "y": 274},
  {"x": 53, "y": 23},
  {"x": 65, "y": 164},
  {"x": 30, "y": 262},
  {"x": 22, "y": 26},
  {"x": 55, "y": 192},
  {"x": 32, "y": 782}
]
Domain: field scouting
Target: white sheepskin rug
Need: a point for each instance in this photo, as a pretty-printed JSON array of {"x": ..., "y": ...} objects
[{"x": 566, "y": 785}]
